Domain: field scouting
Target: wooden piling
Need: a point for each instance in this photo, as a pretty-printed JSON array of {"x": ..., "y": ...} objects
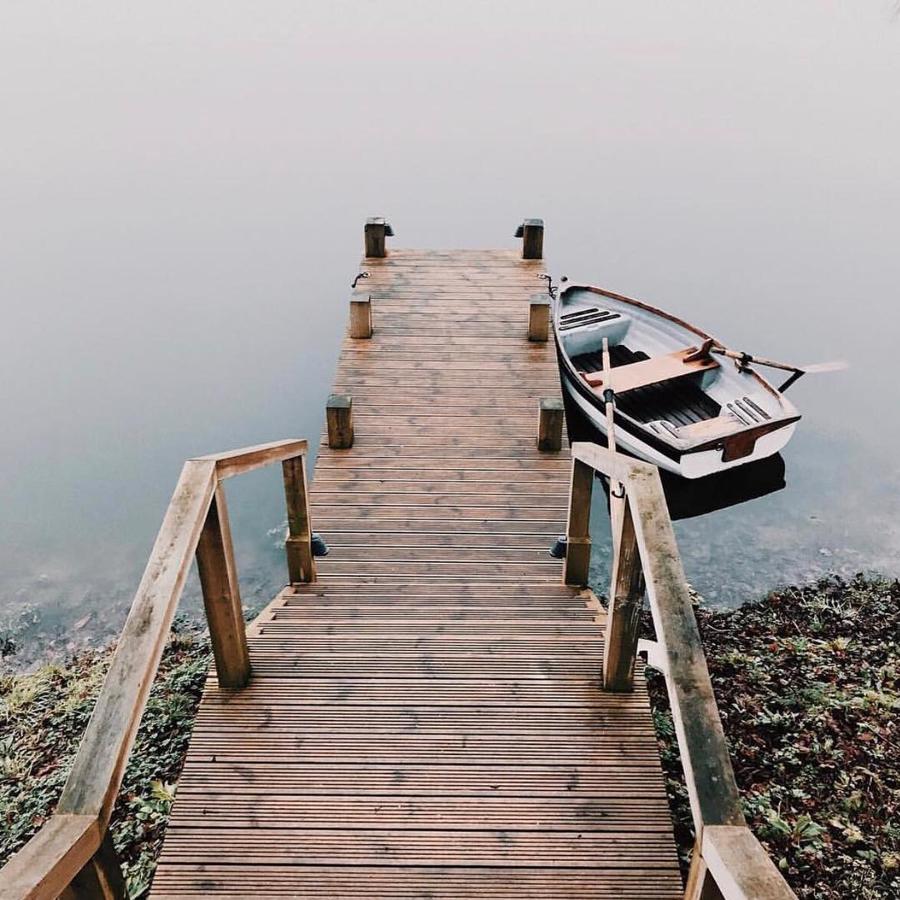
[
  {"x": 377, "y": 229},
  {"x": 361, "y": 317},
  {"x": 339, "y": 414},
  {"x": 550, "y": 424},
  {"x": 539, "y": 318},
  {"x": 532, "y": 233}
]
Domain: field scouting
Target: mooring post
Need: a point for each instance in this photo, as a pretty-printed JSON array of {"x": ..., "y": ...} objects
[
  {"x": 360, "y": 317},
  {"x": 550, "y": 424},
  {"x": 539, "y": 318},
  {"x": 339, "y": 414},
  {"x": 377, "y": 229},
  {"x": 532, "y": 233}
]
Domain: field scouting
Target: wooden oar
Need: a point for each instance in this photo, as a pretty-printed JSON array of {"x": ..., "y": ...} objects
[{"x": 744, "y": 359}]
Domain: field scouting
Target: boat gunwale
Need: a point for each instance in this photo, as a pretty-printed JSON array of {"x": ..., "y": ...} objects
[{"x": 646, "y": 434}]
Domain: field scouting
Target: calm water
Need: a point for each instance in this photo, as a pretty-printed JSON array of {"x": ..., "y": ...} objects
[{"x": 183, "y": 189}]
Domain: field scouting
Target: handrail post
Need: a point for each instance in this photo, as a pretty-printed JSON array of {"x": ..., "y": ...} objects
[
  {"x": 222, "y": 596},
  {"x": 626, "y": 598},
  {"x": 578, "y": 533},
  {"x": 301, "y": 565},
  {"x": 100, "y": 879}
]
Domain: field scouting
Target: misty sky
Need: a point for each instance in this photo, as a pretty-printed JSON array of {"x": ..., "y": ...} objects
[{"x": 184, "y": 186}]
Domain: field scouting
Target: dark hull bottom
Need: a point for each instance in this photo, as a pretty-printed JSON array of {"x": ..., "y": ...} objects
[{"x": 689, "y": 497}]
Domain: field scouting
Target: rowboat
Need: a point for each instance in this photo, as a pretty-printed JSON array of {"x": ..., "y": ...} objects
[{"x": 679, "y": 398}]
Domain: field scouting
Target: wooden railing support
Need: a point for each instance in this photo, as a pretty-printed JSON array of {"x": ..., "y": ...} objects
[
  {"x": 532, "y": 233},
  {"x": 361, "y": 317},
  {"x": 377, "y": 229},
  {"x": 72, "y": 855},
  {"x": 222, "y": 596},
  {"x": 550, "y": 425},
  {"x": 539, "y": 318},
  {"x": 100, "y": 879},
  {"x": 728, "y": 862},
  {"x": 578, "y": 528},
  {"x": 300, "y": 561},
  {"x": 339, "y": 416},
  {"x": 626, "y": 599}
]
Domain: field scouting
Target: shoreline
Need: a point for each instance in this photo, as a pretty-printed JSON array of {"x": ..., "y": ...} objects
[{"x": 807, "y": 680}]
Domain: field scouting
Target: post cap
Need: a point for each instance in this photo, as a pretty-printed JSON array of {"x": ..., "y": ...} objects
[
  {"x": 528, "y": 223},
  {"x": 380, "y": 220},
  {"x": 551, "y": 403},
  {"x": 540, "y": 300},
  {"x": 339, "y": 401}
]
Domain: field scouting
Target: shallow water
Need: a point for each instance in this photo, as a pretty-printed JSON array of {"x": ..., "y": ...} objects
[{"x": 183, "y": 190}]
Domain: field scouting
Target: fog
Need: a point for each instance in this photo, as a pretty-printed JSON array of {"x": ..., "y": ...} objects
[{"x": 184, "y": 187}]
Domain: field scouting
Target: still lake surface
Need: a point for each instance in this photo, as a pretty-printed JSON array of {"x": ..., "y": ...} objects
[{"x": 183, "y": 191}]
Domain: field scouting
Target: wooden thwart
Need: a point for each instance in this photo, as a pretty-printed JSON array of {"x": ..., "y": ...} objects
[{"x": 651, "y": 371}]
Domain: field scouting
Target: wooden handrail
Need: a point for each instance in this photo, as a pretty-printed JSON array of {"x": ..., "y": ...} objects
[
  {"x": 70, "y": 853},
  {"x": 727, "y": 857}
]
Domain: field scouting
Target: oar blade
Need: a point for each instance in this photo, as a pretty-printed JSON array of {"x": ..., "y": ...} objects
[{"x": 835, "y": 365}]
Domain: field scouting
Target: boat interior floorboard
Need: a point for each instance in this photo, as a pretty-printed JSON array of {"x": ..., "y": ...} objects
[{"x": 680, "y": 402}]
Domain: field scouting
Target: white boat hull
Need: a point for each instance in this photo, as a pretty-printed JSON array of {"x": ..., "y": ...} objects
[
  {"x": 688, "y": 465},
  {"x": 720, "y": 417}
]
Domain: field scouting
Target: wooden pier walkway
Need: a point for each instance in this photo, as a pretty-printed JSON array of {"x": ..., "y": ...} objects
[
  {"x": 441, "y": 711},
  {"x": 426, "y": 719}
]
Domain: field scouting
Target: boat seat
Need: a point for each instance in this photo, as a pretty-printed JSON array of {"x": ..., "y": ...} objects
[{"x": 653, "y": 371}]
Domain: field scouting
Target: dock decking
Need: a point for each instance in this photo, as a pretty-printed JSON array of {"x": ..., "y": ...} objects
[{"x": 425, "y": 720}]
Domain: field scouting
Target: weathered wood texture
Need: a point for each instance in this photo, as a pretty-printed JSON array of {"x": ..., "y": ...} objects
[
  {"x": 550, "y": 425},
  {"x": 361, "y": 317},
  {"x": 539, "y": 318},
  {"x": 339, "y": 421},
  {"x": 427, "y": 719},
  {"x": 728, "y": 861}
]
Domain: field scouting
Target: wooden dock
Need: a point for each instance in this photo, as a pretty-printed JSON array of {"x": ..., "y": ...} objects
[
  {"x": 438, "y": 708},
  {"x": 426, "y": 719}
]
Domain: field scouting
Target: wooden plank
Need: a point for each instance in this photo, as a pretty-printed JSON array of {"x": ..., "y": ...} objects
[
  {"x": 246, "y": 459},
  {"x": 426, "y": 719},
  {"x": 46, "y": 865},
  {"x": 704, "y": 754},
  {"x": 740, "y": 867}
]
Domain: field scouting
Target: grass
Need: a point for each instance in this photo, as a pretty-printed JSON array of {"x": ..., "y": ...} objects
[
  {"x": 44, "y": 714},
  {"x": 807, "y": 686}
]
